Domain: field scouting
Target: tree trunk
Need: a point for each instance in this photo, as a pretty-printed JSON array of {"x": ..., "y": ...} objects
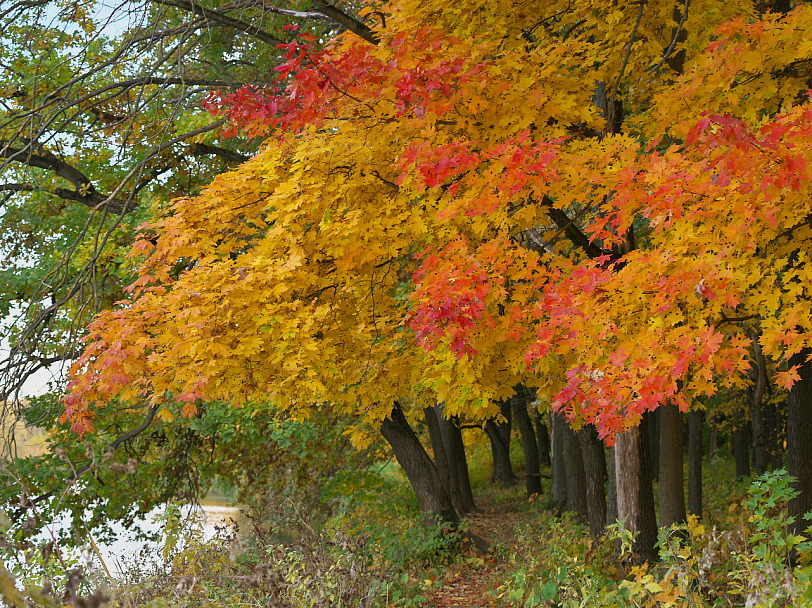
[
  {"x": 458, "y": 463},
  {"x": 775, "y": 437},
  {"x": 559, "y": 485},
  {"x": 441, "y": 458},
  {"x": 543, "y": 439},
  {"x": 635, "y": 496},
  {"x": 594, "y": 458},
  {"x": 499, "y": 434},
  {"x": 799, "y": 439},
  {"x": 653, "y": 424},
  {"x": 432, "y": 498},
  {"x": 532, "y": 471},
  {"x": 695, "y": 463},
  {"x": 672, "y": 485},
  {"x": 761, "y": 456},
  {"x": 611, "y": 491},
  {"x": 741, "y": 450},
  {"x": 575, "y": 476}
]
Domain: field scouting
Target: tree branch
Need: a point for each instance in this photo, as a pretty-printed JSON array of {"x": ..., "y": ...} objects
[
  {"x": 229, "y": 155},
  {"x": 572, "y": 232},
  {"x": 222, "y": 19},
  {"x": 85, "y": 192},
  {"x": 610, "y": 110},
  {"x": 112, "y": 446},
  {"x": 344, "y": 20}
]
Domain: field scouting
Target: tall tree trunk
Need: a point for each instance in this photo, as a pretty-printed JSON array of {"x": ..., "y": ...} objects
[
  {"x": 611, "y": 490},
  {"x": 653, "y": 424},
  {"x": 741, "y": 450},
  {"x": 775, "y": 430},
  {"x": 695, "y": 463},
  {"x": 543, "y": 439},
  {"x": 441, "y": 458},
  {"x": 432, "y": 497},
  {"x": 532, "y": 471},
  {"x": 761, "y": 456},
  {"x": 799, "y": 439},
  {"x": 499, "y": 434},
  {"x": 672, "y": 485},
  {"x": 713, "y": 441},
  {"x": 559, "y": 485},
  {"x": 575, "y": 476},
  {"x": 458, "y": 463},
  {"x": 635, "y": 496},
  {"x": 594, "y": 458}
]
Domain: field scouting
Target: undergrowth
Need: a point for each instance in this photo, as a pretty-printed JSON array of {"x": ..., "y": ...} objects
[{"x": 367, "y": 548}]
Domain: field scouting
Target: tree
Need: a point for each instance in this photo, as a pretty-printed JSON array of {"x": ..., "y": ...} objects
[
  {"x": 447, "y": 210},
  {"x": 101, "y": 122}
]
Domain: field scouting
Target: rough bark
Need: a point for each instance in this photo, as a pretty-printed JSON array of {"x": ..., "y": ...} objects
[
  {"x": 559, "y": 485},
  {"x": 775, "y": 432},
  {"x": 672, "y": 486},
  {"x": 713, "y": 441},
  {"x": 695, "y": 463},
  {"x": 543, "y": 440},
  {"x": 458, "y": 463},
  {"x": 594, "y": 458},
  {"x": 799, "y": 439},
  {"x": 653, "y": 425},
  {"x": 499, "y": 435},
  {"x": 441, "y": 458},
  {"x": 611, "y": 490},
  {"x": 575, "y": 476},
  {"x": 741, "y": 450},
  {"x": 635, "y": 496},
  {"x": 532, "y": 471},
  {"x": 432, "y": 498},
  {"x": 761, "y": 455}
]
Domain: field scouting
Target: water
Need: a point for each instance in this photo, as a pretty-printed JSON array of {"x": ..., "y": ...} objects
[{"x": 211, "y": 518}]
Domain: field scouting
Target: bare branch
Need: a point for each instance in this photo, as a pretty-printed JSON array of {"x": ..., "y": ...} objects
[
  {"x": 222, "y": 19},
  {"x": 85, "y": 192},
  {"x": 344, "y": 20},
  {"x": 229, "y": 155},
  {"x": 674, "y": 40},
  {"x": 610, "y": 110}
]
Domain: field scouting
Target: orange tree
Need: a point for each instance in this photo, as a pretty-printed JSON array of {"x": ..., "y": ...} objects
[{"x": 589, "y": 198}]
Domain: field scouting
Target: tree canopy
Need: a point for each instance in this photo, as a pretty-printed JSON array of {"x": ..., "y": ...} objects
[{"x": 595, "y": 199}]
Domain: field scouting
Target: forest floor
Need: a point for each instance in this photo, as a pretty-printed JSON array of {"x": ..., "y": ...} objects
[{"x": 471, "y": 581}]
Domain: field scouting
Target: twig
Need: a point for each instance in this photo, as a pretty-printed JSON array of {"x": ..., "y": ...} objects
[
  {"x": 610, "y": 109},
  {"x": 670, "y": 48}
]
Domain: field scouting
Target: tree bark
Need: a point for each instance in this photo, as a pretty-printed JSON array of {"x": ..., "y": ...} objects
[
  {"x": 741, "y": 450},
  {"x": 761, "y": 456},
  {"x": 559, "y": 485},
  {"x": 575, "y": 476},
  {"x": 653, "y": 424},
  {"x": 713, "y": 441},
  {"x": 532, "y": 471},
  {"x": 672, "y": 486},
  {"x": 433, "y": 499},
  {"x": 499, "y": 434},
  {"x": 775, "y": 432},
  {"x": 543, "y": 439},
  {"x": 611, "y": 491},
  {"x": 458, "y": 463},
  {"x": 799, "y": 439},
  {"x": 695, "y": 463},
  {"x": 594, "y": 458},
  {"x": 635, "y": 496},
  {"x": 447, "y": 474}
]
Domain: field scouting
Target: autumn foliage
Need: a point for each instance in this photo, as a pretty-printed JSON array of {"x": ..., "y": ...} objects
[{"x": 452, "y": 211}]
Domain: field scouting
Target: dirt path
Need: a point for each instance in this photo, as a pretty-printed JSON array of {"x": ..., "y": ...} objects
[{"x": 468, "y": 584}]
